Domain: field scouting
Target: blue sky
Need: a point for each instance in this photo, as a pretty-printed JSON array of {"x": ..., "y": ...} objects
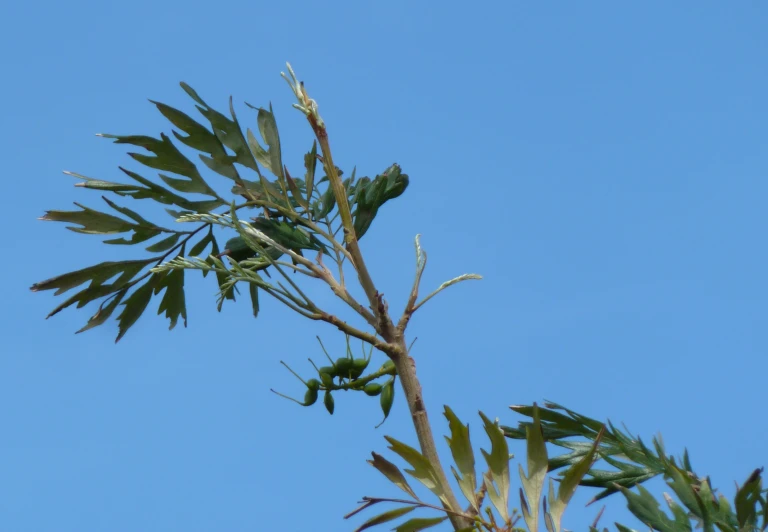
[{"x": 603, "y": 166}]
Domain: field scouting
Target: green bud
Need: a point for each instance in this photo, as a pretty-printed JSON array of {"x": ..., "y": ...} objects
[
  {"x": 372, "y": 388},
  {"x": 387, "y": 397},
  {"x": 328, "y": 400},
  {"x": 313, "y": 384},
  {"x": 310, "y": 397},
  {"x": 326, "y": 378},
  {"x": 358, "y": 367},
  {"x": 343, "y": 366},
  {"x": 388, "y": 367}
]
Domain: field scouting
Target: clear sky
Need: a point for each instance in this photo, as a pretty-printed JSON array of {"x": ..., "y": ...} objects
[{"x": 602, "y": 164}]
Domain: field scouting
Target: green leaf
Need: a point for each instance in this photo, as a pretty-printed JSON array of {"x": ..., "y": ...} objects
[
  {"x": 646, "y": 508},
  {"x": 369, "y": 198},
  {"x": 92, "y": 222},
  {"x": 173, "y": 302},
  {"x": 97, "y": 274},
  {"x": 140, "y": 234},
  {"x": 422, "y": 469},
  {"x": 570, "y": 482},
  {"x": 461, "y": 450},
  {"x": 533, "y": 483},
  {"x": 165, "y": 244},
  {"x": 254, "y": 292},
  {"x": 392, "y": 472},
  {"x": 136, "y": 304},
  {"x": 221, "y": 278},
  {"x": 310, "y": 163},
  {"x": 104, "y": 312},
  {"x": 198, "y": 136},
  {"x": 129, "y": 213},
  {"x": 498, "y": 465},
  {"x": 227, "y": 131},
  {"x": 165, "y": 196},
  {"x": 419, "y": 523},
  {"x": 386, "y": 517},
  {"x": 198, "y": 248},
  {"x": 747, "y": 500},
  {"x": 268, "y": 129}
]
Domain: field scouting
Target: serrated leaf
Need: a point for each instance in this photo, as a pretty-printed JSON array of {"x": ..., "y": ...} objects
[
  {"x": 570, "y": 482},
  {"x": 129, "y": 213},
  {"x": 386, "y": 517},
  {"x": 93, "y": 222},
  {"x": 164, "y": 244},
  {"x": 198, "y": 248},
  {"x": 392, "y": 472},
  {"x": 140, "y": 234},
  {"x": 97, "y": 274},
  {"x": 533, "y": 482},
  {"x": 173, "y": 302},
  {"x": 463, "y": 456},
  {"x": 498, "y": 465},
  {"x": 103, "y": 313},
  {"x": 136, "y": 304},
  {"x": 198, "y": 136},
  {"x": 419, "y": 523},
  {"x": 165, "y": 196},
  {"x": 422, "y": 469},
  {"x": 646, "y": 508}
]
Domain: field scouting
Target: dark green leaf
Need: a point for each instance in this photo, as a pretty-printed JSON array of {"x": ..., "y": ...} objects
[
  {"x": 420, "y": 523},
  {"x": 136, "y": 304},
  {"x": 97, "y": 274},
  {"x": 646, "y": 508},
  {"x": 173, "y": 302},
  {"x": 129, "y": 213},
  {"x": 370, "y": 196},
  {"x": 198, "y": 136},
  {"x": 386, "y": 517},
  {"x": 164, "y": 244},
  {"x": 167, "y": 158},
  {"x": 104, "y": 312},
  {"x": 747, "y": 500},
  {"x": 92, "y": 222},
  {"x": 198, "y": 248},
  {"x": 140, "y": 234},
  {"x": 254, "y": 292}
]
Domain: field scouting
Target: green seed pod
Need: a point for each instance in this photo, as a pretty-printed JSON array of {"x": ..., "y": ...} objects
[
  {"x": 326, "y": 378},
  {"x": 389, "y": 367},
  {"x": 343, "y": 366},
  {"x": 330, "y": 370},
  {"x": 310, "y": 397},
  {"x": 387, "y": 397},
  {"x": 358, "y": 367},
  {"x": 372, "y": 388},
  {"x": 328, "y": 400},
  {"x": 313, "y": 384}
]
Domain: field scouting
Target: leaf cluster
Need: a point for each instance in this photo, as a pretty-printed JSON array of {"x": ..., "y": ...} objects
[
  {"x": 489, "y": 502},
  {"x": 633, "y": 463},
  {"x": 295, "y": 212}
]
